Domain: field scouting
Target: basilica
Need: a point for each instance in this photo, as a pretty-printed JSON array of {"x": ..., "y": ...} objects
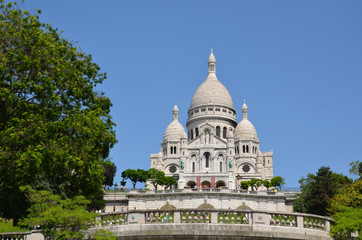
[{"x": 217, "y": 151}]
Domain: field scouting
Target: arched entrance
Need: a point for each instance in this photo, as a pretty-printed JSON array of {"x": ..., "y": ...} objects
[
  {"x": 243, "y": 207},
  {"x": 191, "y": 184},
  {"x": 205, "y": 184},
  {"x": 220, "y": 184}
]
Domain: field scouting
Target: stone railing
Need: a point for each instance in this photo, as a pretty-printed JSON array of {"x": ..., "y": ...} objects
[
  {"x": 216, "y": 216},
  {"x": 124, "y": 193},
  {"x": 14, "y": 236}
]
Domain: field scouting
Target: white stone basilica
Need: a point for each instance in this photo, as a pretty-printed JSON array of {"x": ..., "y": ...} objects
[{"x": 217, "y": 151}]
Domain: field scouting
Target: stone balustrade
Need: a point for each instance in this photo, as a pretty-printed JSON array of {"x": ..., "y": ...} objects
[
  {"x": 220, "y": 224},
  {"x": 216, "y": 216},
  {"x": 31, "y": 235},
  {"x": 14, "y": 236}
]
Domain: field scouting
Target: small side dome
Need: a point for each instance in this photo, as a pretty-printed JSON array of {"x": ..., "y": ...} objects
[
  {"x": 245, "y": 130},
  {"x": 175, "y": 131}
]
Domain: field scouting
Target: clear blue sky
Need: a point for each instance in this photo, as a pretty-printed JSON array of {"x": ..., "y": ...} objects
[{"x": 298, "y": 64}]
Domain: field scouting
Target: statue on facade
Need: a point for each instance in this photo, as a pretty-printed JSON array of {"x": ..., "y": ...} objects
[
  {"x": 207, "y": 137},
  {"x": 230, "y": 163},
  {"x": 182, "y": 164}
]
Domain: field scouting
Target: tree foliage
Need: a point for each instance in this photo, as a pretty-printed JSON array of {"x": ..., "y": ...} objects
[
  {"x": 348, "y": 222},
  {"x": 110, "y": 170},
  {"x": 135, "y": 176},
  {"x": 346, "y": 207},
  {"x": 277, "y": 182},
  {"x": 58, "y": 219},
  {"x": 318, "y": 190},
  {"x": 55, "y": 130},
  {"x": 245, "y": 185},
  {"x": 169, "y": 182},
  {"x": 104, "y": 235},
  {"x": 156, "y": 177},
  {"x": 255, "y": 183},
  {"x": 356, "y": 168}
]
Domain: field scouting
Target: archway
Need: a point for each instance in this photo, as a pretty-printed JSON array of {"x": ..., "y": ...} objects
[
  {"x": 191, "y": 184},
  {"x": 205, "y": 184},
  {"x": 220, "y": 184},
  {"x": 243, "y": 207},
  {"x": 205, "y": 206},
  {"x": 168, "y": 207}
]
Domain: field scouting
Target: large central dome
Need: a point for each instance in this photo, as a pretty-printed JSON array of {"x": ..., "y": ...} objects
[{"x": 212, "y": 91}]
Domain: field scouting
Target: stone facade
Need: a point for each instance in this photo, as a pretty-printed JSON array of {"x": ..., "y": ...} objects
[{"x": 217, "y": 151}]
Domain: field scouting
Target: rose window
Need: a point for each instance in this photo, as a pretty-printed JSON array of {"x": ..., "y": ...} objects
[
  {"x": 246, "y": 168},
  {"x": 172, "y": 169}
]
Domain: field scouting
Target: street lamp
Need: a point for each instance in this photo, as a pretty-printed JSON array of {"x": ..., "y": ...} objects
[{"x": 115, "y": 194}]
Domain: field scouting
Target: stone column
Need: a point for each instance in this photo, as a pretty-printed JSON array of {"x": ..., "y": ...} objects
[
  {"x": 136, "y": 218},
  {"x": 213, "y": 217},
  {"x": 177, "y": 217},
  {"x": 300, "y": 221}
]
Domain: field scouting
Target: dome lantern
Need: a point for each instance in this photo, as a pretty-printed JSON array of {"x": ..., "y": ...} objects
[
  {"x": 212, "y": 63},
  {"x": 244, "y": 109},
  {"x": 175, "y": 113},
  {"x": 245, "y": 130}
]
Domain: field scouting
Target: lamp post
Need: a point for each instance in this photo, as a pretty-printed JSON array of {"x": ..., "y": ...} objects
[{"x": 115, "y": 194}]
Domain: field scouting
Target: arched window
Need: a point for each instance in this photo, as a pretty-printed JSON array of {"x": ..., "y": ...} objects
[
  {"x": 243, "y": 148},
  {"x": 247, "y": 148},
  {"x": 224, "y": 132},
  {"x": 196, "y": 132},
  {"x": 256, "y": 149},
  {"x": 174, "y": 150},
  {"x": 218, "y": 131},
  {"x": 171, "y": 150},
  {"x": 207, "y": 159},
  {"x": 193, "y": 160},
  {"x": 192, "y": 135}
]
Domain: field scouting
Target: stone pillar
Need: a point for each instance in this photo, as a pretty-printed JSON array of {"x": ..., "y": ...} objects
[
  {"x": 261, "y": 218},
  {"x": 213, "y": 217},
  {"x": 136, "y": 218},
  {"x": 327, "y": 226},
  {"x": 177, "y": 217},
  {"x": 300, "y": 221}
]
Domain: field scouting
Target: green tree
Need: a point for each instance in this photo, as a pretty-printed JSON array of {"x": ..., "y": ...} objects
[
  {"x": 104, "y": 235},
  {"x": 110, "y": 170},
  {"x": 169, "y": 182},
  {"x": 356, "y": 168},
  {"x": 156, "y": 177},
  {"x": 267, "y": 184},
  {"x": 277, "y": 181},
  {"x": 58, "y": 219},
  {"x": 255, "y": 183},
  {"x": 318, "y": 190},
  {"x": 55, "y": 130},
  {"x": 348, "y": 221},
  {"x": 346, "y": 207},
  {"x": 135, "y": 176},
  {"x": 245, "y": 185}
]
